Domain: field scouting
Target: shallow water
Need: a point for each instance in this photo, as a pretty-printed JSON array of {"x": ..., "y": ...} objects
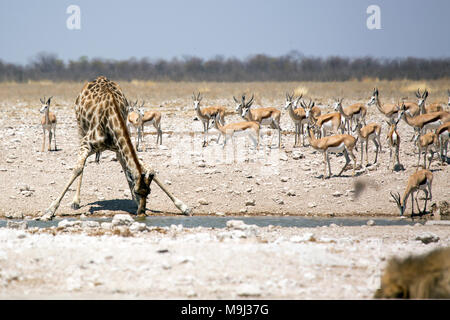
[{"x": 261, "y": 221}]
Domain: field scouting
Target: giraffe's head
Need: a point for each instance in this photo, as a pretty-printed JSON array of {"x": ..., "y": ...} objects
[
  {"x": 45, "y": 105},
  {"x": 196, "y": 99},
  {"x": 142, "y": 189}
]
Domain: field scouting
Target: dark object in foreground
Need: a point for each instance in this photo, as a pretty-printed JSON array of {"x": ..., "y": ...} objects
[{"x": 417, "y": 277}]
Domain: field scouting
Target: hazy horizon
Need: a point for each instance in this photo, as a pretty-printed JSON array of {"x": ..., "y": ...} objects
[{"x": 232, "y": 29}]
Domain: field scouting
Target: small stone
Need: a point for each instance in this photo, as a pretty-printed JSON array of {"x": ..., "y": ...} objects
[
  {"x": 203, "y": 202},
  {"x": 200, "y": 189},
  {"x": 370, "y": 222},
  {"x": 250, "y": 202},
  {"x": 308, "y": 236},
  {"x": 427, "y": 238},
  {"x": 219, "y": 213},
  {"x": 333, "y": 225},
  {"x": 284, "y": 179},
  {"x": 291, "y": 193},
  {"x": 90, "y": 224},
  {"x": 138, "y": 227},
  {"x": 247, "y": 290},
  {"x": 337, "y": 194},
  {"x": 106, "y": 225},
  {"x": 311, "y": 205},
  {"x": 122, "y": 220}
]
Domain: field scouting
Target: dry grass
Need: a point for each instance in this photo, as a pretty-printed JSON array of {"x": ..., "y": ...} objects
[{"x": 178, "y": 94}]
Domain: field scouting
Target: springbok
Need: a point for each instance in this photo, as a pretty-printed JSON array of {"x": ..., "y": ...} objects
[
  {"x": 423, "y": 122},
  {"x": 337, "y": 143},
  {"x": 393, "y": 139},
  {"x": 372, "y": 131},
  {"x": 230, "y": 129},
  {"x": 356, "y": 111},
  {"x": 151, "y": 118},
  {"x": 325, "y": 122},
  {"x": 134, "y": 120},
  {"x": 425, "y": 142},
  {"x": 434, "y": 107},
  {"x": 389, "y": 110},
  {"x": 48, "y": 122},
  {"x": 419, "y": 180},
  {"x": 443, "y": 135},
  {"x": 298, "y": 116},
  {"x": 267, "y": 116},
  {"x": 206, "y": 115}
]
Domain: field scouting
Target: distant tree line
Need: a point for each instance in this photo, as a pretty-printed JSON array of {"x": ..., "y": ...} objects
[{"x": 291, "y": 67}]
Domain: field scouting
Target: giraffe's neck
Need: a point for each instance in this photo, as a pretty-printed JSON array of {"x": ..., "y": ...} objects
[{"x": 123, "y": 145}]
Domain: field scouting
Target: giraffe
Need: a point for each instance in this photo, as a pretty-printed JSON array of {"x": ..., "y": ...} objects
[{"x": 101, "y": 110}]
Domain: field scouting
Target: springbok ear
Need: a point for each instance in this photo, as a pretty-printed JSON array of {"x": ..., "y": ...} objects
[{"x": 49, "y": 99}]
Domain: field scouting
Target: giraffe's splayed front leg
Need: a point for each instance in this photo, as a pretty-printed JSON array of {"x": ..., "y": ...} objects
[{"x": 49, "y": 213}]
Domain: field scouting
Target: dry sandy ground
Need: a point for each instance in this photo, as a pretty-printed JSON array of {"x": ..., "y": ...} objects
[
  {"x": 276, "y": 181},
  {"x": 238, "y": 262},
  {"x": 344, "y": 263}
]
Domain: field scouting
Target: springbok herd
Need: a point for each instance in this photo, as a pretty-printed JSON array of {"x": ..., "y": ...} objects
[{"x": 336, "y": 132}]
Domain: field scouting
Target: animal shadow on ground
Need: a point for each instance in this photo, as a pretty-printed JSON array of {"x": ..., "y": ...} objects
[{"x": 115, "y": 205}]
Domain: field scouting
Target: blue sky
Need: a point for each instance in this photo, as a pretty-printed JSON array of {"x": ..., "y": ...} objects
[{"x": 231, "y": 28}]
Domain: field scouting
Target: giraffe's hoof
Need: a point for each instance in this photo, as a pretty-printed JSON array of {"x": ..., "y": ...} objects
[
  {"x": 47, "y": 216},
  {"x": 75, "y": 206}
]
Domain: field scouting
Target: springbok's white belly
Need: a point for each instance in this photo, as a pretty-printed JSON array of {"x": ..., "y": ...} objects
[
  {"x": 394, "y": 138},
  {"x": 327, "y": 125},
  {"x": 338, "y": 148},
  {"x": 433, "y": 125},
  {"x": 266, "y": 121},
  {"x": 148, "y": 123}
]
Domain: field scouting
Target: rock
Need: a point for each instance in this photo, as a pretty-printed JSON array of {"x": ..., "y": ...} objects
[
  {"x": 250, "y": 202},
  {"x": 243, "y": 210},
  {"x": 90, "y": 224},
  {"x": 284, "y": 179},
  {"x": 333, "y": 225},
  {"x": 297, "y": 156},
  {"x": 337, "y": 194},
  {"x": 370, "y": 222},
  {"x": 203, "y": 202},
  {"x": 311, "y": 205},
  {"x": 219, "y": 213},
  {"x": 236, "y": 224},
  {"x": 106, "y": 225},
  {"x": 199, "y": 189},
  {"x": 291, "y": 193},
  {"x": 21, "y": 225},
  {"x": 308, "y": 236},
  {"x": 66, "y": 223},
  {"x": 138, "y": 227},
  {"x": 248, "y": 290},
  {"x": 122, "y": 220},
  {"x": 427, "y": 238},
  {"x": 14, "y": 215},
  {"x": 284, "y": 157}
]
